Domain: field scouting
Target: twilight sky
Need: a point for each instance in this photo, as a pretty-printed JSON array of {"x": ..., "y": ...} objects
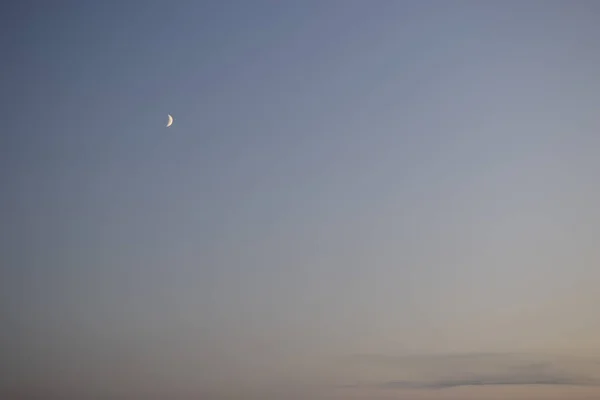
[{"x": 357, "y": 200}]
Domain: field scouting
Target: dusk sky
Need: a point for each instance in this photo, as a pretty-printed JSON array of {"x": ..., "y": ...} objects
[{"x": 357, "y": 200}]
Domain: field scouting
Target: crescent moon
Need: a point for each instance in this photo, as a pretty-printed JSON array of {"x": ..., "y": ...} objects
[{"x": 170, "y": 120}]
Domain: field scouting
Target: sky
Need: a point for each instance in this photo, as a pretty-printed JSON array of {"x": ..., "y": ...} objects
[{"x": 356, "y": 200}]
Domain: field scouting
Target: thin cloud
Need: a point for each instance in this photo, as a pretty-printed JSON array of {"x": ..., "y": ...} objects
[
  {"x": 491, "y": 381},
  {"x": 481, "y": 369}
]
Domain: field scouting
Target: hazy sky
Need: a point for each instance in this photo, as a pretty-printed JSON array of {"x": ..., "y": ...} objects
[{"x": 357, "y": 200}]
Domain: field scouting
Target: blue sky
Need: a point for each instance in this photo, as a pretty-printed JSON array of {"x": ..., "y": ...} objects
[{"x": 389, "y": 178}]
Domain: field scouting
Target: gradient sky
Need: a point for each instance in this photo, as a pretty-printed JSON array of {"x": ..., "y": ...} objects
[{"x": 353, "y": 194}]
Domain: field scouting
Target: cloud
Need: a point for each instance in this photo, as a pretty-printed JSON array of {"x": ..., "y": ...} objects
[
  {"x": 491, "y": 381},
  {"x": 481, "y": 369}
]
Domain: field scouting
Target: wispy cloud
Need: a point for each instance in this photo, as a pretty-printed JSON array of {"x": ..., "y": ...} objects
[
  {"x": 491, "y": 380},
  {"x": 482, "y": 369}
]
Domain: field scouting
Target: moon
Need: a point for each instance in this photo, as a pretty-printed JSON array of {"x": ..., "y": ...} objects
[{"x": 170, "y": 120}]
